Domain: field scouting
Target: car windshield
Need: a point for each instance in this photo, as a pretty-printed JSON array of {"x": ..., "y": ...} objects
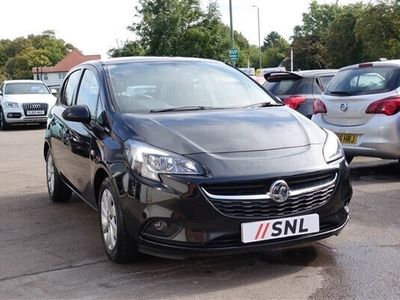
[
  {"x": 365, "y": 80},
  {"x": 26, "y": 88},
  {"x": 143, "y": 87}
]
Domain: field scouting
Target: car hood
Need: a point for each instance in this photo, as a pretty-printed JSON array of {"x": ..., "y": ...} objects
[
  {"x": 31, "y": 98},
  {"x": 222, "y": 131}
]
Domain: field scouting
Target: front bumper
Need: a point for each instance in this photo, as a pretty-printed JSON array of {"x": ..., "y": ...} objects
[
  {"x": 379, "y": 137},
  {"x": 201, "y": 229},
  {"x": 18, "y": 116}
]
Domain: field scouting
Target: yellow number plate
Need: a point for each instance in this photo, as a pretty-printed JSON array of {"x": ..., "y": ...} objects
[{"x": 347, "y": 138}]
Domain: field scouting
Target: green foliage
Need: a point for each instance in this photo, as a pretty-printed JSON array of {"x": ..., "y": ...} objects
[
  {"x": 182, "y": 28},
  {"x": 275, "y": 50},
  {"x": 335, "y": 36},
  {"x": 317, "y": 20},
  {"x": 309, "y": 53},
  {"x": 19, "y": 56},
  {"x": 341, "y": 36},
  {"x": 163, "y": 23},
  {"x": 130, "y": 48},
  {"x": 379, "y": 29}
]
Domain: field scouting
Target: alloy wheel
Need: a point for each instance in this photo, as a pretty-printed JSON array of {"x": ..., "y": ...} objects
[
  {"x": 108, "y": 219},
  {"x": 50, "y": 174}
]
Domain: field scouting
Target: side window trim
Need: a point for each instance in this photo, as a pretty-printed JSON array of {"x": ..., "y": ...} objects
[
  {"x": 64, "y": 86},
  {"x": 94, "y": 72}
]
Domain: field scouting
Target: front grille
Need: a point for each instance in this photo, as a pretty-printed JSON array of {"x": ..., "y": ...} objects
[
  {"x": 35, "y": 109},
  {"x": 235, "y": 199}
]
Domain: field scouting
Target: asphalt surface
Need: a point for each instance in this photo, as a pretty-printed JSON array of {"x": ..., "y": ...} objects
[{"x": 50, "y": 251}]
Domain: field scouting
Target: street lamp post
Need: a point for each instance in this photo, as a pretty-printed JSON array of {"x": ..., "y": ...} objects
[
  {"x": 259, "y": 38},
  {"x": 231, "y": 25}
]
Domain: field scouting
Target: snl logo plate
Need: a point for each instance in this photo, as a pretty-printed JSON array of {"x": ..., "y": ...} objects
[{"x": 279, "y": 228}]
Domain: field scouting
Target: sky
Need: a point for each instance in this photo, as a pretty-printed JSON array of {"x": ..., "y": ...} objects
[{"x": 95, "y": 26}]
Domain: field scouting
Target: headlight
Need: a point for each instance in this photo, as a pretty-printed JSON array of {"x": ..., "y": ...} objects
[
  {"x": 11, "y": 104},
  {"x": 149, "y": 161},
  {"x": 332, "y": 149}
]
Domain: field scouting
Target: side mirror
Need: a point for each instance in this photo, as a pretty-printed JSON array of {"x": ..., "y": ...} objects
[
  {"x": 54, "y": 92},
  {"x": 77, "y": 113}
]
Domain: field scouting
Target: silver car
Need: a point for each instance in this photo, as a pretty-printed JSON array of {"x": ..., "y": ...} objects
[
  {"x": 24, "y": 101},
  {"x": 361, "y": 106}
]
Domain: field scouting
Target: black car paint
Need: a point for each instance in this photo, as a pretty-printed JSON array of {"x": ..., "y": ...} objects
[{"x": 85, "y": 154}]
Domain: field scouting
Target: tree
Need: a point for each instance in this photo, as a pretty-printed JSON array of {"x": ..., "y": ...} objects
[
  {"x": 130, "y": 48},
  {"x": 182, "y": 28},
  {"x": 275, "y": 49},
  {"x": 163, "y": 23},
  {"x": 19, "y": 56},
  {"x": 343, "y": 46},
  {"x": 379, "y": 29},
  {"x": 309, "y": 53},
  {"x": 317, "y": 20}
]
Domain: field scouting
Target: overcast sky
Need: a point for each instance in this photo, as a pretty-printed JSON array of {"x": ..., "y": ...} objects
[{"x": 94, "y": 26}]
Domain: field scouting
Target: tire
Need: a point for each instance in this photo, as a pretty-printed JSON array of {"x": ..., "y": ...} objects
[
  {"x": 349, "y": 158},
  {"x": 3, "y": 123},
  {"x": 58, "y": 190},
  {"x": 119, "y": 246}
]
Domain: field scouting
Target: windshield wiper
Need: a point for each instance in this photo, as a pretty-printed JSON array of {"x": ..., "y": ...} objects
[
  {"x": 344, "y": 93},
  {"x": 181, "y": 108},
  {"x": 262, "y": 104}
]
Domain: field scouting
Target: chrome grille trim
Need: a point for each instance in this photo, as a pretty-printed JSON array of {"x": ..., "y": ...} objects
[
  {"x": 305, "y": 198},
  {"x": 35, "y": 107},
  {"x": 267, "y": 196}
]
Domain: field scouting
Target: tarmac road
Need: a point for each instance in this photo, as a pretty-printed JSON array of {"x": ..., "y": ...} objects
[{"x": 52, "y": 250}]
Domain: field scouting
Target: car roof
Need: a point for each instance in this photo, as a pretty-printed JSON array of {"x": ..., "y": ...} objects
[
  {"x": 307, "y": 73},
  {"x": 299, "y": 74},
  {"x": 382, "y": 63},
  {"x": 133, "y": 59},
  {"x": 23, "y": 81}
]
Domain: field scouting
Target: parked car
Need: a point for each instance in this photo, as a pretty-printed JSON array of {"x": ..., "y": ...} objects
[
  {"x": 24, "y": 101},
  {"x": 361, "y": 106},
  {"x": 205, "y": 163},
  {"x": 299, "y": 90}
]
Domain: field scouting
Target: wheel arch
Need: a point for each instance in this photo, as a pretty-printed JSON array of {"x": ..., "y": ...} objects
[
  {"x": 46, "y": 149},
  {"x": 99, "y": 176}
]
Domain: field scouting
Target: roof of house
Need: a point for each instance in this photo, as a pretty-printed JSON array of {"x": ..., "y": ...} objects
[{"x": 73, "y": 58}]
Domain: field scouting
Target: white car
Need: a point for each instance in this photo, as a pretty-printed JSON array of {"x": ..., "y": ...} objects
[
  {"x": 361, "y": 105},
  {"x": 24, "y": 101}
]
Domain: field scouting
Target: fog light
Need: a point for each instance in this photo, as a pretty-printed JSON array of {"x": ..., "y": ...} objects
[
  {"x": 162, "y": 228},
  {"x": 14, "y": 115},
  {"x": 346, "y": 208}
]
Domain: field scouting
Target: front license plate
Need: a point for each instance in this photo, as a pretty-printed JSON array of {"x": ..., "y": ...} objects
[
  {"x": 347, "y": 138},
  {"x": 35, "y": 113},
  {"x": 279, "y": 228}
]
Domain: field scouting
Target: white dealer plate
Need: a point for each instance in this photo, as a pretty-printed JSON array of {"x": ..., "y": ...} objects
[
  {"x": 35, "y": 112},
  {"x": 279, "y": 228}
]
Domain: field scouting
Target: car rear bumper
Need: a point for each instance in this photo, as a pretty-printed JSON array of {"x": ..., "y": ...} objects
[{"x": 380, "y": 137}]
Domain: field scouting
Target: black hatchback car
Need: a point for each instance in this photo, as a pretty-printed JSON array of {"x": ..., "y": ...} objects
[
  {"x": 300, "y": 89},
  {"x": 187, "y": 157}
]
